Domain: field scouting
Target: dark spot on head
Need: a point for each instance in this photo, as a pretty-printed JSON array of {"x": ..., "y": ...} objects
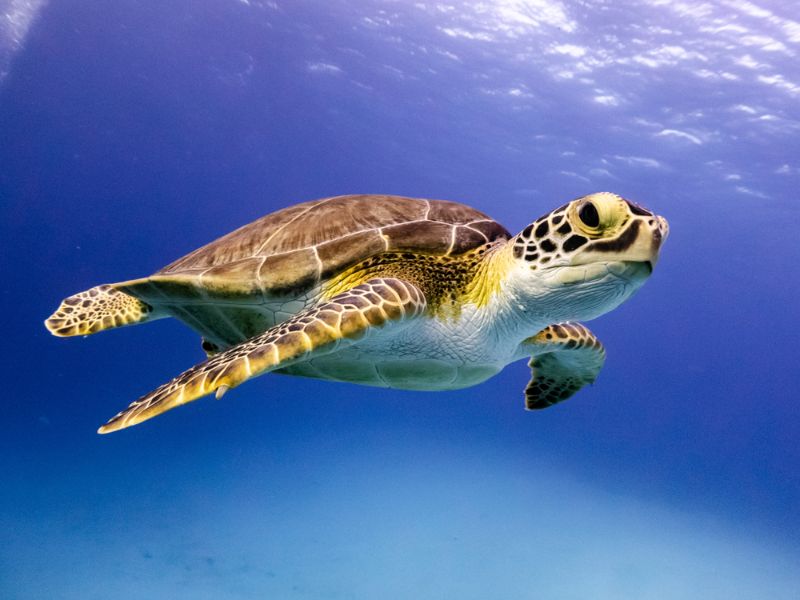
[
  {"x": 545, "y": 260},
  {"x": 530, "y": 257},
  {"x": 547, "y": 245},
  {"x": 574, "y": 242},
  {"x": 564, "y": 229},
  {"x": 527, "y": 231},
  {"x": 517, "y": 251},
  {"x": 542, "y": 229},
  {"x": 638, "y": 210},
  {"x": 557, "y": 219},
  {"x": 622, "y": 242}
]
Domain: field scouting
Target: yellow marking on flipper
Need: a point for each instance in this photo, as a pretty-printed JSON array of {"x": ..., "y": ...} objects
[
  {"x": 99, "y": 308},
  {"x": 313, "y": 332},
  {"x": 565, "y": 358}
]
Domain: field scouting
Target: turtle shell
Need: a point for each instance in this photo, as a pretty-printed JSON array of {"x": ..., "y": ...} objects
[{"x": 294, "y": 249}]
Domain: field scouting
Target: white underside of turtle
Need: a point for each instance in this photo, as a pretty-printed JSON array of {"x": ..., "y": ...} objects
[{"x": 389, "y": 291}]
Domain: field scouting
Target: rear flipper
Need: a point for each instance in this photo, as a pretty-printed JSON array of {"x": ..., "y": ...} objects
[{"x": 102, "y": 307}]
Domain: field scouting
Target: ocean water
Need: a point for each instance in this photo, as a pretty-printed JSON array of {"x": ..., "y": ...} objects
[{"x": 135, "y": 131}]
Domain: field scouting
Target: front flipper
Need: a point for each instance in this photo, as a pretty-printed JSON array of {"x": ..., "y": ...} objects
[
  {"x": 342, "y": 320},
  {"x": 565, "y": 357}
]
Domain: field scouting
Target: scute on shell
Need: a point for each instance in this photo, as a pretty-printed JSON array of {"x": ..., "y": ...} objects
[{"x": 296, "y": 247}]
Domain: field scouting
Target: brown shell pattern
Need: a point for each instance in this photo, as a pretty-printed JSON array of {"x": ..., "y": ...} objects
[{"x": 297, "y": 247}]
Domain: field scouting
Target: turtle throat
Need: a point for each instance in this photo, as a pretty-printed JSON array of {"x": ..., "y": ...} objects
[{"x": 571, "y": 293}]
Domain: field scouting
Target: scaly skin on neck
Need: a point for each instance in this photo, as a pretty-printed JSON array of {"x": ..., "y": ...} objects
[
  {"x": 490, "y": 275},
  {"x": 477, "y": 285},
  {"x": 448, "y": 282},
  {"x": 508, "y": 313}
]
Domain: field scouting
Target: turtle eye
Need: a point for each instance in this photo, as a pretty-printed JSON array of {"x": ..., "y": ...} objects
[{"x": 589, "y": 216}]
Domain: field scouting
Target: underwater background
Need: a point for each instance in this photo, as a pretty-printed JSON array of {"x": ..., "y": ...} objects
[{"x": 135, "y": 131}]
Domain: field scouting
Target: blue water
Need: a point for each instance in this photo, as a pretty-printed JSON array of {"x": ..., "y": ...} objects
[{"x": 133, "y": 132}]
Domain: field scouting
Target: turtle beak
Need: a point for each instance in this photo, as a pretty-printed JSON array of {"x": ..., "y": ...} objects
[
  {"x": 660, "y": 232},
  {"x": 658, "y": 226}
]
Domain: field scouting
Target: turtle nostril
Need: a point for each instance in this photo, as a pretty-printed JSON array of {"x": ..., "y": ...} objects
[{"x": 663, "y": 228}]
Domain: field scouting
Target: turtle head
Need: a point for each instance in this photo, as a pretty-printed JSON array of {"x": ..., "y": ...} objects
[{"x": 587, "y": 257}]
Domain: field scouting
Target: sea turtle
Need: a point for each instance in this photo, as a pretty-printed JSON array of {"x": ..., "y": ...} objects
[{"x": 388, "y": 291}]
